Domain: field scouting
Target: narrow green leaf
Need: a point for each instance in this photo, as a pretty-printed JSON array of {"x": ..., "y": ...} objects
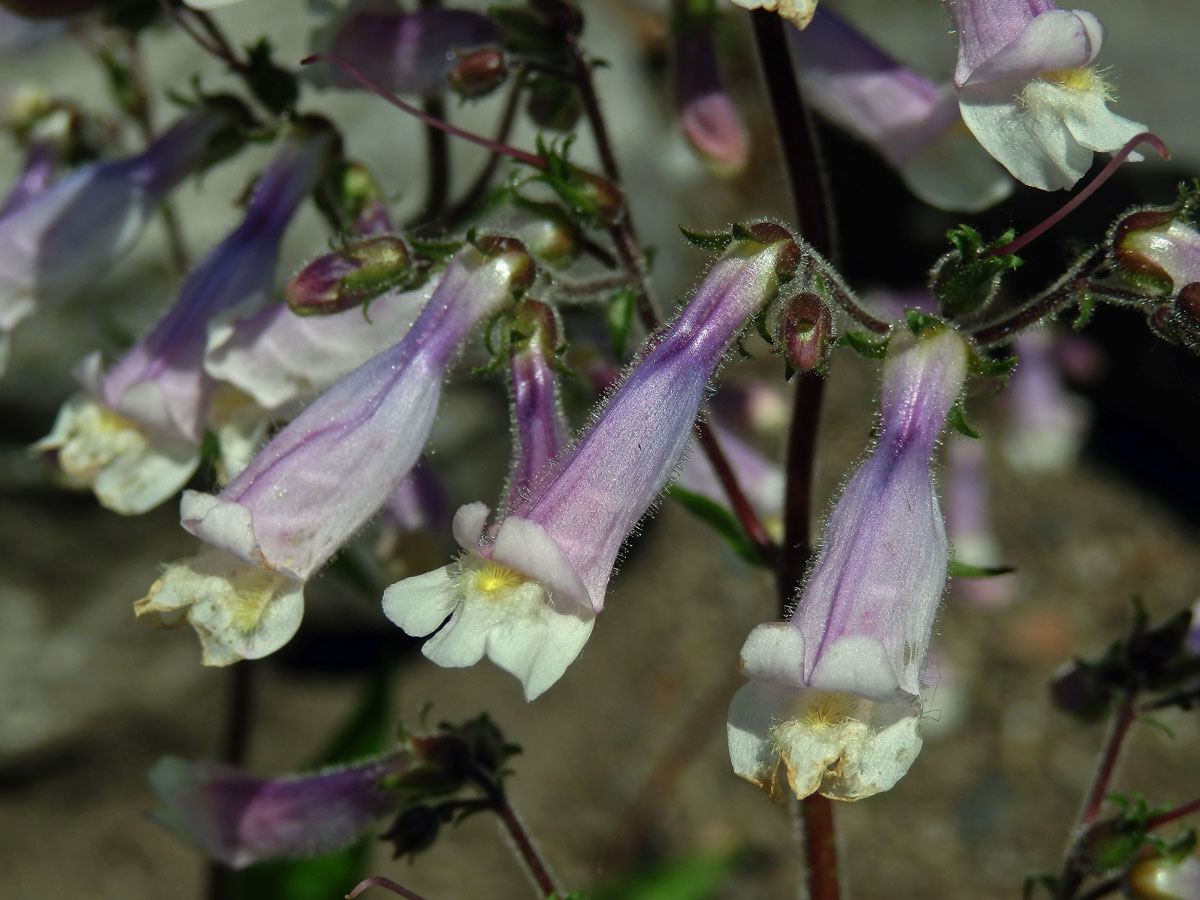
[
  {"x": 919, "y": 321},
  {"x": 720, "y": 520},
  {"x": 863, "y": 344},
  {"x": 621, "y": 306}
]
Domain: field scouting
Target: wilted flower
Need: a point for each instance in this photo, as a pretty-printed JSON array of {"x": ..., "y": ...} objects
[
  {"x": 1028, "y": 92},
  {"x": 324, "y": 475},
  {"x": 798, "y": 12},
  {"x": 527, "y": 594},
  {"x": 911, "y": 122},
  {"x": 834, "y": 692}
]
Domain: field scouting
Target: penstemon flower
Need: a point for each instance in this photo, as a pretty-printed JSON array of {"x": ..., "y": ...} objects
[
  {"x": 61, "y": 240},
  {"x": 240, "y": 819},
  {"x": 527, "y": 595},
  {"x": 1028, "y": 91},
  {"x": 833, "y": 699},
  {"x": 324, "y": 475},
  {"x": 135, "y": 434},
  {"x": 911, "y": 122}
]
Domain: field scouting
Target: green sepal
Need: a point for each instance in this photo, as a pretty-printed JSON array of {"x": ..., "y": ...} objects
[
  {"x": 1083, "y": 315},
  {"x": 958, "y": 418},
  {"x": 991, "y": 368},
  {"x": 967, "y": 277},
  {"x": 956, "y": 568},
  {"x": 721, "y": 520},
  {"x": 713, "y": 243},
  {"x": 210, "y": 448},
  {"x": 438, "y": 252},
  {"x": 919, "y": 322},
  {"x": 864, "y": 344},
  {"x": 619, "y": 312},
  {"x": 498, "y": 351},
  {"x": 275, "y": 88}
]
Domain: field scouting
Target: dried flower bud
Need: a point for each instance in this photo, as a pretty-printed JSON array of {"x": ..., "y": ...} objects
[
  {"x": 478, "y": 72},
  {"x": 359, "y": 272}
]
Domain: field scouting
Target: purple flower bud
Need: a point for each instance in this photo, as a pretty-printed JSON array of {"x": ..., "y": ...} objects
[
  {"x": 1157, "y": 252},
  {"x": 409, "y": 53},
  {"x": 528, "y": 598},
  {"x": 834, "y": 692},
  {"x": 478, "y": 72},
  {"x": 710, "y": 119},
  {"x": 324, "y": 475},
  {"x": 805, "y": 330},
  {"x": 136, "y": 435},
  {"x": 911, "y": 122},
  {"x": 55, "y": 244},
  {"x": 241, "y": 819},
  {"x": 538, "y": 430},
  {"x": 1027, "y": 91},
  {"x": 361, "y": 270}
]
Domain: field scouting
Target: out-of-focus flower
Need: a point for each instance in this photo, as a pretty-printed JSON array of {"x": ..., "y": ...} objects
[
  {"x": 405, "y": 52},
  {"x": 911, "y": 122},
  {"x": 968, "y": 522},
  {"x": 61, "y": 240},
  {"x": 761, "y": 479},
  {"x": 527, "y": 594},
  {"x": 324, "y": 475},
  {"x": 1028, "y": 92},
  {"x": 1165, "y": 878},
  {"x": 833, "y": 699},
  {"x": 135, "y": 435},
  {"x": 711, "y": 122},
  {"x": 1047, "y": 424},
  {"x": 240, "y": 819}
]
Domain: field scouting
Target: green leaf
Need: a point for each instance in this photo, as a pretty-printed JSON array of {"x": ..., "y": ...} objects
[
  {"x": 621, "y": 307},
  {"x": 697, "y": 878},
  {"x": 958, "y": 418},
  {"x": 959, "y": 569},
  {"x": 863, "y": 344},
  {"x": 713, "y": 243},
  {"x": 919, "y": 321},
  {"x": 720, "y": 520}
]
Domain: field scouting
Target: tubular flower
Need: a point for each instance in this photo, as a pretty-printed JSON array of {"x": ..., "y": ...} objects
[
  {"x": 135, "y": 434},
  {"x": 911, "y": 122},
  {"x": 833, "y": 699},
  {"x": 241, "y": 819},
  {"x": 324, "y": 475},
  {"x": 61, "y": 240},
  {"x": 527, "y": 594},
  {"x": 1028, "y": 92}
]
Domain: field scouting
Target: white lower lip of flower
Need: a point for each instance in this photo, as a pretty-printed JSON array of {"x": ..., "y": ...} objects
[
  {"x": 840, "y": 745},
  {"x": 131, "y": 468},
  {"x": 495, "y": 611},
  {"x": 240, "y": 611}
]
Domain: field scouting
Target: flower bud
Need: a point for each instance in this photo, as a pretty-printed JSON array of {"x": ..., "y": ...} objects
[
  {"x": 710, "y": 119},
  {"x": 1137, "y": 253},
  {"x": 554, "y": 104},
  {"x": 358, "y": 273},
  {"x": 805, "y": 329},
  {"x": 550, "y": 235},
  {"x": 478, "y": 72},
  {"x": 1079, "y": 689}
]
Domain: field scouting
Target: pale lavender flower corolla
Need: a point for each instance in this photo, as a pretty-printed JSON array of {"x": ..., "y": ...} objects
[
  {"x": 135, "y": 434},
  {"x": 42, "y": 162},
  {"x": 60, "y": 241},
  {"x": 405, "y": 52},
  {"x": 323, "y": 476},
  {"x": 833, "y": 700},
  {"x": 241, "y": 819},
  {"x": 526, "y": 594},
  {"x": 911, "y": 122},
  {"x": 711, "y": 122},
  {"x": 1047, "y": 423},
  {"x": 1028, "y": 92}
]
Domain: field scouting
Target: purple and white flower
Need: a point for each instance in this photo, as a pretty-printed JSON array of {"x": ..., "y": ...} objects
[
  {"x": 526, "y": 594},
  {"x": 324, "y": 475},
  {"x": 1028, "y": 91},
  {"x": 833, "y": 700}
]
